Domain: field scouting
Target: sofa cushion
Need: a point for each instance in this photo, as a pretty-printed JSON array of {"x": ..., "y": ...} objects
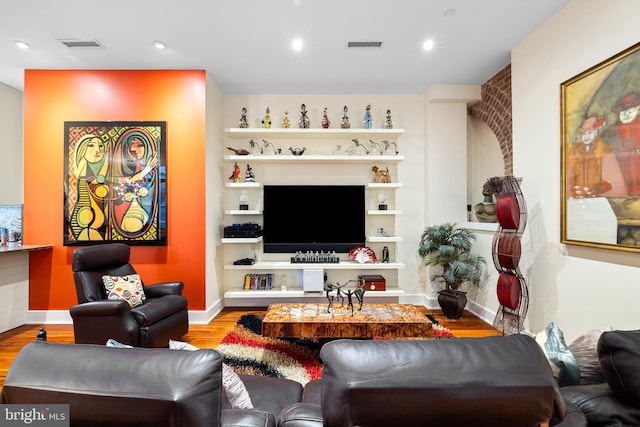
[
  {"x": 155, "y": 309},
  {"x": 233, "y": 386},
  {"x": 585, "y": 350},
  {"x": 563, "y": 364},
  {"x": 600, "y": 406},
  {"x": 619, "y": 353},
  {"x": 128, "y": 288}
]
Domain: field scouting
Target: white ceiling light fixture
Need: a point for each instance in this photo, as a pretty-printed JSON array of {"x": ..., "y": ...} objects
[
  {"x": 428, "y": 45},
  {"x": 159, "y": 45},
  {"x": 297, "y": 44},
  {"x": 21, "y": 44}
]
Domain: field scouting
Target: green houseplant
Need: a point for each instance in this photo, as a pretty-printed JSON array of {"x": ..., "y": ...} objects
[{"x": 448, "y": 246}]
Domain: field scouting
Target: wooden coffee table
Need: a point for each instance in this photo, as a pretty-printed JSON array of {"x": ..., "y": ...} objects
[{"x": 310, "y": 320}]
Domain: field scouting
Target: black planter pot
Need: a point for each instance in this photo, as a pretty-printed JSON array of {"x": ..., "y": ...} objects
[{"x": 452, "y": 303}]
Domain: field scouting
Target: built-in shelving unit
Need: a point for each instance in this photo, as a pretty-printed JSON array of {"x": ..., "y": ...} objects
[{"x": 240, "y": 136}]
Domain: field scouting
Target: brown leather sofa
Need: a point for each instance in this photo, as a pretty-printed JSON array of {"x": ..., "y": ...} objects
[
  {"x": 162, "y": 317},
  {"x": 617, "y": 401},
  {"x": 494, "y": 381},
  {"x": 140, "y": 387}
]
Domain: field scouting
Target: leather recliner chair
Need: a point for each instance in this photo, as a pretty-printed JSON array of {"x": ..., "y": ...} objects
[{"x": 163, "y": 315}]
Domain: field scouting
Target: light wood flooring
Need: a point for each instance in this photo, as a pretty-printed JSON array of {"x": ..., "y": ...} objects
[{"x": 208, "y": 335}]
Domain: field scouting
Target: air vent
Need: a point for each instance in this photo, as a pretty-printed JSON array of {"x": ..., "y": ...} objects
[
  {"x": 364, "y": 44},
  {"x": 80, "y": 43}
]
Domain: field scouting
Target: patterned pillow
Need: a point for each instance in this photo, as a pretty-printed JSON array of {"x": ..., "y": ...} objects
[
  {"x": 128, "y": 288},
  {"x": 563, "y": 363},
  {"x": 234, "y": 388}
]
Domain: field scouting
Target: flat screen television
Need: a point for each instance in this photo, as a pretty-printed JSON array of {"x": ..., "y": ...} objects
[{"x": 313, "y": 218}]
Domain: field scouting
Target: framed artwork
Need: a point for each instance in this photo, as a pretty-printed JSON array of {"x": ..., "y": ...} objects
[
  {"x": 600, "y": 159},
  {"x": 115, "y": 183}
]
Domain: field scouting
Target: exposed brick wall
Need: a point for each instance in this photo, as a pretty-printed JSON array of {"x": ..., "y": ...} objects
[{"x": 494, "y": 109}]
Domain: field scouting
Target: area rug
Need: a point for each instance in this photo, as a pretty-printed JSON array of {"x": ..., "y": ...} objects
[{"x": 247, "y": 352}]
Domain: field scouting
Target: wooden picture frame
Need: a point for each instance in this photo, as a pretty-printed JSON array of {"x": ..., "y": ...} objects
[
  {"x": 600, "y": 154},
  {"x": 115, "y": 183}
]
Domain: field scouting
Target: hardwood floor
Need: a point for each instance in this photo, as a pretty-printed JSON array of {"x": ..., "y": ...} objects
[{"x": 209, "y": 335}]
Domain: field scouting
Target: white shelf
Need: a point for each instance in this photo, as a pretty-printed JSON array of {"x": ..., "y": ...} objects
[
  {"x": 342, "y": 265},
  {"x": 241, "y": 212},
  {"x": 311, "y": 158},
  {"x": 388, "y": 185},
  {"x": 241, "y": 239},
  {"x": 330, "y": 133},
  {"x": 379, "y": 239},
  {"x": 296, "y": 293},
  {"x": 386, "y": 212},
  {"x": 243, "y": 185}
]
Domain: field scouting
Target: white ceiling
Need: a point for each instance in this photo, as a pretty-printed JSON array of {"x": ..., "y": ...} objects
[{"x": 245, "y": 44}]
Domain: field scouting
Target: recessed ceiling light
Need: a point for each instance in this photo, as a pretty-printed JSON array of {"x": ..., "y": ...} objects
[
  {"x": 159, "y": 45},
  {"x": 297, "y": 45},
  {"x": 428, "y": 44},
  {"x": 21, "y": 44}
]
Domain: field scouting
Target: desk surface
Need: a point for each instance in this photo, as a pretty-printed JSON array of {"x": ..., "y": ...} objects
[{"x": 374, "y": 320}]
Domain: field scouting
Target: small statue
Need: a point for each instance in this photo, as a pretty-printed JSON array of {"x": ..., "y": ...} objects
[
  {"x": 243, "y": 123},
  {"x": 359, "y": 147},
  {"x": 249, "y": 176},
  {"x": 345, "y": 119},
  {"x": 266, "y": 122},
  {"x": 297, "y": 151},
  {"x": 235, "y": 175},
  {"x": 376, "y": 149},
  {"x": 286, "y": 123},
  {"x": 388, "y": 150},
  {"x": 239, "y": 151},
  {"x": 256, "y": 150},
  {"x": 381, "y": 176},
  {"x": 304, "y": 122},
  {"x": 486, "y": 209},
  {"x": 269, "y": 148},
  {"x": 382, "y": 201},
  {"x": 244, "y": 200},
  {"x": 368, "y": 119},
  {"x": 387, "y": 122},
  {"x": 325, "y": 120}
]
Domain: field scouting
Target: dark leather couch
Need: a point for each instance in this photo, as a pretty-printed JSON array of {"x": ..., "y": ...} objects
[
  {"x": 494, "y": 381},
  {"x": 616, "y": 402},
  {"x": 140, "y": 387}
]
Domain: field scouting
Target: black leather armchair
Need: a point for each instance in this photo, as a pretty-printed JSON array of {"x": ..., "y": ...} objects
[{"x": 162, "y": 317}]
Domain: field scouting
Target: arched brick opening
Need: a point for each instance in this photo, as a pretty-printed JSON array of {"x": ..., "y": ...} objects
[{"x": 494, "y": 109}]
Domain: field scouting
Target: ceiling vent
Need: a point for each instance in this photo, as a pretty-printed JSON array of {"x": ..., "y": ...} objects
[
  {"x": 364, "y": 44},
  {"x": 80, "y": 43}
]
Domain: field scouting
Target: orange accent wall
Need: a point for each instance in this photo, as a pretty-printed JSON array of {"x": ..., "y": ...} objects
[{"x": 52, "y": 97}]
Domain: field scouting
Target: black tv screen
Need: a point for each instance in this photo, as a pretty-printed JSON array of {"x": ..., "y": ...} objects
[{"x": 313, "y": 218}]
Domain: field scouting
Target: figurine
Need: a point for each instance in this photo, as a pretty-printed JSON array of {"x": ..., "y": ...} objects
[
  {"x": 243, "y": 119},
  {"x": 256, "y": 150},
  {"x": 345, "y": 119},
  {"x": 376, "y": 149},
  {"x": 266, "y": 122},
  {"x": 297, "y": 151},
  {"x": 325, "y": 120},
  {"x": 249, "y": 176},
  {"x": 387, "y": 122},
  {"x": 304, "y": 118},
  {"x": 286, "y": 123},
  {"x": 381, "y": 176},
  {"x": 269, "y": 151},
  {"x": 382, "y": 201},
  {"x": 388, "y": 150},
  {"x": 359, "y": 147},
  {"x": 368, "y": 119},
  {"x": 239, "y": 151},
  {"x": 235, "y": 175},
  {"x": 244, "y": 200},
  {"x": 486, "y": 209}
]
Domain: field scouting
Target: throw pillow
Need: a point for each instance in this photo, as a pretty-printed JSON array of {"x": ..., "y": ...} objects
[
  {"x": 563, "y": 364},
  {"x": 585, "y": 350},
  {"x": 128, "y": 288},
  {"x": 619, "y": 354},
  {"x": 113, "y": 343},
  {"x": 234, "y": 388}
]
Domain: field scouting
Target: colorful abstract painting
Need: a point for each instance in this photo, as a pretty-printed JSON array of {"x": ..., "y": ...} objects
[{"x": 115, "y": 183}]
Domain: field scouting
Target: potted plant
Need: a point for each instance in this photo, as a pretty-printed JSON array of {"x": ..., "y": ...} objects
[{"x": 448, "y": 246}]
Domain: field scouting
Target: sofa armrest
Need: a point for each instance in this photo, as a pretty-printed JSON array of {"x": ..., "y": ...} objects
[
  {"x": 301, "y": 415},
  {"x": 165, "y": 288},
  {"x": 247, "y": 418},
  {"x": 97, "y": 321}
]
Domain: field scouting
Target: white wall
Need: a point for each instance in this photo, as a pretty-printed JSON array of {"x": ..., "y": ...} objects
[
  {"x": 579, "y": 289},
  {"x": 10, "y": 146}
]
